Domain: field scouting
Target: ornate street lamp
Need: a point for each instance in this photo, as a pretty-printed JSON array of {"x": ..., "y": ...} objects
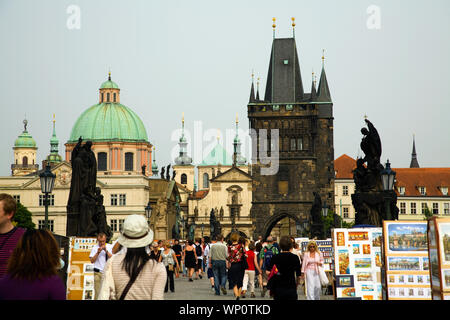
[
  {"x": 47, "y": 182},
  {"x": 388, "y": 179},
  {"x": 324, "y": 210},
  {"x": 148, "y": 212}
]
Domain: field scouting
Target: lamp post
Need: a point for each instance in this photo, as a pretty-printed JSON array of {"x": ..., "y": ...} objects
[
  {"x": 387, "y": 179},
  {"x": 148, "y": 212},
  {"x": 47, "y": 182},
  {"x": 324, "y": 210}
]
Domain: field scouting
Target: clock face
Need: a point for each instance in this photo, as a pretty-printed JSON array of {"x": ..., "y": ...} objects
[{"x": 64, "y": 177}]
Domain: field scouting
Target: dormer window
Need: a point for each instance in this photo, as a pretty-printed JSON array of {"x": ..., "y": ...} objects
[
  {"x": 444, "y": 191},
  {"x": 401, "y": 190},
  {"x": 423, "y": 191}
]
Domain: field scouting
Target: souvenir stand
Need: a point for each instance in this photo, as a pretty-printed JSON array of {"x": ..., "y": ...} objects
[
  {"x": 357, "y": 259},
  {"x": 439, "y": 257},
  {"x": 406, "y": 261},
  {"x": 80, "y": 270}
]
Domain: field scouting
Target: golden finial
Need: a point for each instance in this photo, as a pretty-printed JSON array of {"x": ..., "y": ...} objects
[
  {"x": 109, "y": 75},
  {"x": 154, "y": 148},
  {"x": 54, "y": 118},
  {"x": 365, "y": 116},
  {"x": 274, "y": 25},
  {"x": 237, "y": 119},
  {"x": 323, "y": 57},
  {"x": 182, "y": 117},
  {"x": 293, "y": 22},
  {"x": 218, "y": 135}
]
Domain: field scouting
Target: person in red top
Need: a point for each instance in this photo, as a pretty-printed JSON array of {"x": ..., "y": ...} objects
[
  {"x": 236, "y": 270},
  {"x": 9, "y": 234},
  {"x": 249, "y": 276}
]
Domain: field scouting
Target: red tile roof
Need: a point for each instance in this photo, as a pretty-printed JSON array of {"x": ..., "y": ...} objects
[
  {"x": 197, "y": 195},
  {"x": 410, "y": 178}
]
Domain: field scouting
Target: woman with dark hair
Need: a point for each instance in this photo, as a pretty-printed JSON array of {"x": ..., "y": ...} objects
[
  {"x": 258, "y": 273},
  {"x": 235, "y": 259},
  {"x": 134, "y": 275},
  {"x": 190, "y": 258},
  {"x": 288, "y": 266},
  {"x": 32, "y": 272}
]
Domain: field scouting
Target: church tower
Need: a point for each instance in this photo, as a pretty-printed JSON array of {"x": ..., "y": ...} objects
[
  {"x": 292, "y": 142},
  {"x": 183, "y": 163},
  {"x": 24, "y": 154},
  {"x": 54, "y": 157},
  {"x": 414, "y": 163}
]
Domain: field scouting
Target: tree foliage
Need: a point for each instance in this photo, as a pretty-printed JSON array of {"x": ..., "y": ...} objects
[{"x": 22, "y": 218}]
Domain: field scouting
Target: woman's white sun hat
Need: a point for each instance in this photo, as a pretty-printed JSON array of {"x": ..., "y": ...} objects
[{"x": 136, "y": 232}]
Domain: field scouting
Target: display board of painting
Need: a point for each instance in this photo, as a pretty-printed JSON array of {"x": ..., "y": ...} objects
[
  {"x": 439, "y": 255},
  {"x": 80, "y": 270},
  {"x": 357, "y": 257},
  {"x": 406, "y": 260},
  {"x": 324, "y": 246}
]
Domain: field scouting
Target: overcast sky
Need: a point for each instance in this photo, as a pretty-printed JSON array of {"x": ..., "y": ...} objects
[{"x": 389, "y": 60}]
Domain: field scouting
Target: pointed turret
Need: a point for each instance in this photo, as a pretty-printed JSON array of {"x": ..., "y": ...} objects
[
  {"x": 313, "y": 88},
  {"x": 183, "y": 158},
  {"x": 414, "y": 163},
  {"x": 238, "y": 159},
  {"x": 284, "y": 81},
  {"x": 154, "y": 165},
  {"x": 257, "y": 90},
  {"x": 252, "y": 92},
  {"x": 54, "y": 157},
  {"x": 323, "y": 93}
]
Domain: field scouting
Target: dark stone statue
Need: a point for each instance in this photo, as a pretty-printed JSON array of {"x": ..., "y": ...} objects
[
  {"x": 370, "y": 201},
  {"x": 162, "y": 172},
  {"x": 317, "y": 227},
  {"x": 143, "y": 169},
  {"x": 85, "y": 210},
  {"x": 215, "y": 227},
  {"x": 177, "y": 225},
  {"x": 173, "y": 174},
  {"x": 167, "y": 172},
  {"x": 191, "y": 233}
]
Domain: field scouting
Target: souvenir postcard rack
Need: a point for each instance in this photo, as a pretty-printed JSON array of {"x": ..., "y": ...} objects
[
  {"x": 406, "y": 260},
  {"x": 439, "y": 255},
  {"x": 80, "y": 270},
  {"x": 357, "y": 259}
]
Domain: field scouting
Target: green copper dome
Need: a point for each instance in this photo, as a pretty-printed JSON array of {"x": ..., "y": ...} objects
[
  {"x": 109, "y": 85},
  {"x": 218, "y": 155},
  {"x": 25, "y": 140},
  {"x": 109, "y": 122}
]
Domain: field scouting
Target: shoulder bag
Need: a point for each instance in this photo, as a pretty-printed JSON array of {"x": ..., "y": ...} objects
[
  {"x": 130, "y": 283},
  {"x": 323, "y": 277}
]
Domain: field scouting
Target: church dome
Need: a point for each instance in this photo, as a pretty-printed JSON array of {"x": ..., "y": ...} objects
[
  {"x": 109, "y": 122},
  {"x": 25, "y": 140}
]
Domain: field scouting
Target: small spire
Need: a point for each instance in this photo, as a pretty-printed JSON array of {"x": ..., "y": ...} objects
[
  {"x": 252, "y": 90},
  {"x": 313, "y": 87},
  {"x": 257, "y": 89},
  {"x": 293, "y": 26},
  {"x": 414, "y": 163},
  {"x": 274, "y": 26},
  {"x": 323, "y": 58},
  {"x": 109, "y": 75}
]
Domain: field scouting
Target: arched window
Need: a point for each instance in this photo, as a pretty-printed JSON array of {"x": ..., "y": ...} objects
[
  {"x": 25, "y": 161},
  {"x": 102, "y": 161},
  {"x": 205, "y": 180},
  {"x": 293, "y": 144},
  {"x": 184, "y": 178},
  {"x": 129, "y": 161}
]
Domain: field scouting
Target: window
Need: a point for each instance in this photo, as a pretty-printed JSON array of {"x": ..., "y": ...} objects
[
  {"x": 122, "y": 199},
  {"x": 345, "y": 190},
  {"x": 401, "y": 190},
  {"x": 299, "y": 143},
  {"x": 424, "y": 207},
  {"x": 402, "y": 207},
  {"x": 113, "y": 224},
  {"x": 423, "y": 191},
  {"x": 17, "y": 198},
  {"x": 435, "y": 208},
  {"x": 51, "y": 199},
  {"x": 276, "y": 107},
  {"x": 128, "y": 161},
  {"x": 289, "y": 107},
  {"x": 413, "y": 208},
  {"x": 107, "y": 97},
  {"x": 205, "y": 180},
  {"x": 446, "y": 208},
  {"x": 114, "y": 199},
  {"x": 184, "y": 178},
  {"x": 102, "y": 98},
  {"x": 102, "y": 161},
  {"x": 51, "y": 225},
  {"x": 444, "y": 191},
  {"x": 283, "y": 182},
  {"x": 114, "y": 97},
  {"x": 25, "y": 161},
  {"x": 293, "y": 147},
  {"x": 345, "y": 211}
]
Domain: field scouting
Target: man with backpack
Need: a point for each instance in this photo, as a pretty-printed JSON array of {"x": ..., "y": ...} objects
[
  {"x": 199, "y": 253},
  {"x": 266, "y": 255}
]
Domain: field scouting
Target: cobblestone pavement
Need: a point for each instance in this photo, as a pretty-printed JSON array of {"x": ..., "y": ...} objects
[{"x": 201, "y": 290}]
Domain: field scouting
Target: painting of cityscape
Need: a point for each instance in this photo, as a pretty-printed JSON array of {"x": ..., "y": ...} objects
[
  {"x": 407, "y": 237},
  {"x": 444, "y": 234},
  {"x": 404, "y": 263}
]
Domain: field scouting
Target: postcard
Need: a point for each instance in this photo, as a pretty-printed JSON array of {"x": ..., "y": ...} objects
[
  {"x": 340, "y": 239},
  {"x": 363, "y": 262},
  {"x": 407, "y": 237},
  {"x": 358, "y": 236},
  {"x": 366, "y": 248},
  {"x": 344, "y": 262},
  {"x": 403, "y": 263},
  {"x": 356, "y": 249},
  {"x": 364, "y": 276},
  {"x": 376, "y": 239},
  {"x": 444, "y": 234}
]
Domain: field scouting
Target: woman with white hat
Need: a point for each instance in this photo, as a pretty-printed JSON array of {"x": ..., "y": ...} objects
[{"x": 133, "y": 276}]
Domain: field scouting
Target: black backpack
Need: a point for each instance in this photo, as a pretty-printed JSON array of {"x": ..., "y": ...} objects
[{"x": 198, "y": 250}]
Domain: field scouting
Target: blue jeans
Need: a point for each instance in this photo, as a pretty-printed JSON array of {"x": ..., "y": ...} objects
[{"x": 219, "y": 268}]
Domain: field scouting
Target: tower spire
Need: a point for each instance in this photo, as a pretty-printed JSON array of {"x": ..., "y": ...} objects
[
  {"x": 313, "y": 87},
  {"x": 414, "y": 163},
  {"x": 257, "y": 89},
  {"x": 54, "y": 157},
  {"x": 323, "y": 91},
  {"x": 252, "y": 90},
  {"x": 183, "y": 158}
]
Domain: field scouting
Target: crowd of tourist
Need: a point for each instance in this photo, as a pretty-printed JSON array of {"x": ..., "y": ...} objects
[{"x": 136, "y": 267}]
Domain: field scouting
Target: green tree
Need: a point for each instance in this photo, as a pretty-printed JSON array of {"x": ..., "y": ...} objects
[
  {"x": 333, "y": 220},
  {"x": 427, "y": 213},
  {"x": 22, "y": 218}
]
